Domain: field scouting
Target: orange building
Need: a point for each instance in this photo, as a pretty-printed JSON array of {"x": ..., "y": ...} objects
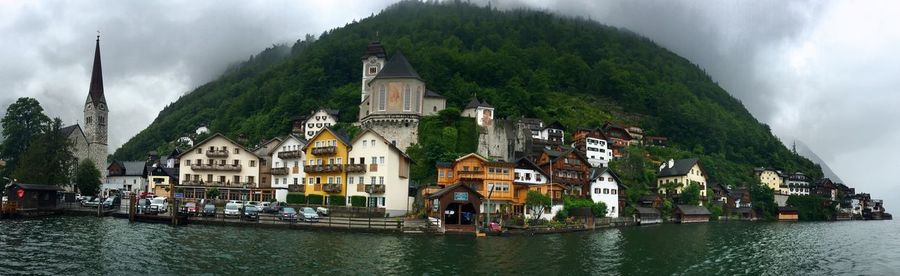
[{"x": 493, "y": 180}]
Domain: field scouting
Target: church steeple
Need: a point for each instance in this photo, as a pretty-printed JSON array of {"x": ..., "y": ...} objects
[{"x": 95, "y": 94}]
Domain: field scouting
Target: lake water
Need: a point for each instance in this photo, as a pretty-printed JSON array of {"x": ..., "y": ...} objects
[{"x": 89, "y": 245}]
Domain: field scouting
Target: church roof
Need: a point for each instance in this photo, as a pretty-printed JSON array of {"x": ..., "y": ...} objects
[
  {"x": 95, "y": 93},
  {"x": 397, "y": 67},
  {"x": 69, "y": 129},
  {"x": 374, "y": 49},
  {"x": 474, "y": 103},
  {"x": 432, "y": 94}
]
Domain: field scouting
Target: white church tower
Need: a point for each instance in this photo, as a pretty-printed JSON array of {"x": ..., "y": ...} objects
[
  {"x": 372, "y": 62},
  {"x": 96, "y": 116}
]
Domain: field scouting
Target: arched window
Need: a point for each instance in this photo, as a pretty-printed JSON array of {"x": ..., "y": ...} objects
[
  {"x": 382, "y": 98},
  {"x": 407, "y": 98}
]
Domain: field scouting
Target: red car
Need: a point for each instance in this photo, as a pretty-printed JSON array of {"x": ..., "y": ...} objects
[{"x": 190, "y": 208}]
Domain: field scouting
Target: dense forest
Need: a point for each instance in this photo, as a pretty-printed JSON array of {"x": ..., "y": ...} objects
[{"x": 525, "y": 63}]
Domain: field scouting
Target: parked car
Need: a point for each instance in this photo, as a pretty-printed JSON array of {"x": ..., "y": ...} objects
[
  {"x": 264, "y": 207},
  {"x": 112, "y": 202},
  {"x": 92, "y": 202},
  {"x": 209, "y": 210},
  {"x": 276, "y": 207},
  {"x": 239, "y": 203},
  {"x": 287, "y": 213},
  {"x": 232, "y": 210},
  {"x": 309, "y": 215},
  {"x": 252, "y": 203},
  {"x": 250, "y": 213},
  {"x": 143, "y": 207},
  {"x": 190, "y": 209},
  {"x": 160, "y": 203},
  {"x": 322, "y": 211}
]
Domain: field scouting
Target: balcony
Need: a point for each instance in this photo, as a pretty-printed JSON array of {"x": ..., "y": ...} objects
[
  {"x": 279, "y": 171},
  {"x": 216, "y": 167},
  {"x": 329, "y": 150},
  {"x": 375, "y": 189},
  {"x": 291, "y": 154},
  {"x": 323, "y": 168},
  {"x": 470, "y": 174},
  {"x": 297, "y": 188},
  {"x": 217, "y": 153},
  {"x": 331, "y": 188},
  {"x": 355, "y": 168}
]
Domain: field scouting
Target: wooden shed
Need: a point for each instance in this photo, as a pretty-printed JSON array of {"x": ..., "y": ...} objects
[
  {"x": 691, "y": 214},
  {"x": 647, "y": 216},
  {"x": 30, "y": 197},
  {"x": 457, "y": 206},
  {"x": 788, "y": 214}
]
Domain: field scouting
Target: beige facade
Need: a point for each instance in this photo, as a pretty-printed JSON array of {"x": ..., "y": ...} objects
[
  {"x": 682, "y": 179},
  {"x": 219, "y": 162},
  {"x": 379, "y": 171},
  {"x": 773, "y": 180}
]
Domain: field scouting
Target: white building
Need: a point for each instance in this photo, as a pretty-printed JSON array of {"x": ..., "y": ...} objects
[
  {"x": 797, "y": 184},
  {"x": 379, "y": 171},
  {"x": 125, "y": 176},
  {"x": 606, "y": 187},
  {"x": 287, "y": 165},
  {"x": 552, "y": 133},
  {"x": 219, "y": 162},
  {"x": 481, "y": 111},
  {"x": 319, "y": 120}
]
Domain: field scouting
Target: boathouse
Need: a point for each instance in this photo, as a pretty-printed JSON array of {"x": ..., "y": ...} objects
[
  {"x": 457, "y": 207},
  {"x": 788, "y": 214},
  {"x": 647, "y": 216},
  {"x": 691, "y": 214},
  {"x": 33, "y": 197}
]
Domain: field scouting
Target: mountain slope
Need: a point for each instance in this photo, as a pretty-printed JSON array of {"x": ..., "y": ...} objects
[{"x": 522, "y": 62}]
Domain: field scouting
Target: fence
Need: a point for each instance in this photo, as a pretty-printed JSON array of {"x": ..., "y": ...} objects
[{"x": 330, "y": 222}]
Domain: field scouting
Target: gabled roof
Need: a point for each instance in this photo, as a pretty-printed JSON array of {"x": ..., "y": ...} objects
[
  {"x": 555, "y": 125},
  {"x": 693, "y": 210},
  {"x": 645, "y": 210},
  {"x": 390, "y": 145},
  {"x": 432, "y": 94},
  {"x": 554, "y": 155},
  {"x": 133, "y": 168},
  {"x": 597, "y": 172},
  {"x": 286, "y": 138},
  {"x": 69, "y": 129},
  {"x": 397, "y": 67},
  {"x": 474, "y": 103},
  {"x": 197, "y": 145},
  {"x": 472, "y": 154},
  {"x": 341, "y": 136},
  {"x": 331, "y": 112},
  {"x": 95, "y": 93},
  {"x": 447, "y": 189},
  {"x": 679, "y": 168},
  {"x": 610, "y": 125},
  {"x": 524, "y": 163},
  {"x": 42, "y": 187}
]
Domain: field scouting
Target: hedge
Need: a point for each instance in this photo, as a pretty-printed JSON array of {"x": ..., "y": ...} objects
[
  {"x": 314, "y": 199},
  {"x": 296, "y": 198},
  {"x": 337, "y": 200},
  {"x": 358, "y": 201}
]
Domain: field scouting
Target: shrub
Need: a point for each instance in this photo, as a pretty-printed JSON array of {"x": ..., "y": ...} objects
[
  {"x": 358, "y": 201},
  {"x": 296, "y": 198},
  {"x": 315, "y": 199},
  {"x": 337, "y": 200}
]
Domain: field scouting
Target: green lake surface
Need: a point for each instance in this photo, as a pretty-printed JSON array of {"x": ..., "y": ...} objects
[{"x": 65, "y": 245}]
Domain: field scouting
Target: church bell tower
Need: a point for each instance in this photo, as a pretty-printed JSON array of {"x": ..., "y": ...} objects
[
  {"x": 372, "y": 62},
  {"x": 96, "y": 115}
]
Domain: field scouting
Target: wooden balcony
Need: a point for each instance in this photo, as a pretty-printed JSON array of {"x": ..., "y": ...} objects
[
  {"x": 323, "y": 168},
  {"x": 331, "y": 188},
  {"x": 217, "y": 153},
  {"x": 291, "y": 154},
  {"x": 355, "y": 168},
  {"x": 297, "y": 188},
  {"x": 329, "y": 150},
  {"x": 216, "y": 167},
  {"x": 375, "y": 189},
  {"x": 279, "y": 171},
  {"x": 470, "y": 174}
]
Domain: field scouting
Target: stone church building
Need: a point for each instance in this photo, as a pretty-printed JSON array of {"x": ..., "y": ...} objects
[{"x": 90, "y": 141}]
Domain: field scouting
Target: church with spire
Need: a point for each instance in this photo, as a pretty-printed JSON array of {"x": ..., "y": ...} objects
[{"x": 89, "y": 141}]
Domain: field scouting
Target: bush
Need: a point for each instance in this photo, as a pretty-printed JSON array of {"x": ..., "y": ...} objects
[
  {"x": 598, "y": 208},
  {"x": 296, "y": 198},
  {"x": 315, "y": 199},
  {"x": 715, "y": 210},
  {"x": 358, "y": 201},
  {"x": 337, "y": 200}
]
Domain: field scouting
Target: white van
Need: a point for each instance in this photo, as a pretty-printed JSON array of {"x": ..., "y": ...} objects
[{"x": 159, "y": 203}]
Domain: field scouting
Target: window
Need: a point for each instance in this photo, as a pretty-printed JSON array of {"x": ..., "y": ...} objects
[
  {"x": 236, "y": 162},
  {"x": 407, "y": 98},
  {"x": 416, "y": 98},
  {"x": 381, "y": 160},
  {"x": 312, "y": 180},
  {"x": 339, "y": 159},
  {"x": 614, "y": 191},
  {"x": 372, "y": 70},
  {"x": 597, "y": 191},
  {"x": 237, "y": 179},
  {"x": 330, "y": 179},
  {"x": 276, "y": 181},
  {"x": 374, "y": 160},
  {"x": 373, "y": 180},
  {"x": 338, "y": 180},
  {"x": 295, "y": 181},
  {"x": 250, "y": 179},
  {"x": 360, "y": 180},
  {"x": 381, "y": 180},
  {"x": 236, "y": 151},
  {"x": 199, "y": 151},
  {"x": 365, "y": 143},
  {"x": 188, "y": 162},
  {"x": 382, "y": 98},
  {"x": 373, "y": 142},
  {"x": 350, "y": 180},
  {"x": 252, "y": 163}
]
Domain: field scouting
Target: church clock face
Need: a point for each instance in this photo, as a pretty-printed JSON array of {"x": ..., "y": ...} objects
[{"x": 102, "y": 107}]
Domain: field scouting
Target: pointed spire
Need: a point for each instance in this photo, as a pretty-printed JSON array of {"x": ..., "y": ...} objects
[{"x": 95, "y": 93}]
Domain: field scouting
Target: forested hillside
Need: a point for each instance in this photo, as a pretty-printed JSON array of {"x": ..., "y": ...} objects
[{"x": 525, "y": 63}]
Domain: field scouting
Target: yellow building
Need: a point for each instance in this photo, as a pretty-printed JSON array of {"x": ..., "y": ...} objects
[
  {"x": 326, "y": 153},
  {"x": 772, "y": 179},
  {"x": 674, "y": 175}
]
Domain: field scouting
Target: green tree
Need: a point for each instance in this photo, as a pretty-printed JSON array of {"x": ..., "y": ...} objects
[
  {"x": 690, "y": 195},
  {"x": 87, "y": 178},
  {"x": 763, "y": 201},
  {"x": 213, "y": 193},
  {"x": 666, "y": 208},
  {"x": 23, "y": 123},
  {"x": 599, "y": 209},
  {"x": 49, "y": 160},
  {"x": 537, "y": 202}
]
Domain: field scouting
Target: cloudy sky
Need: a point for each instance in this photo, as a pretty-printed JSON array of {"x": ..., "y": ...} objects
[{"x": 821, "y": 72}]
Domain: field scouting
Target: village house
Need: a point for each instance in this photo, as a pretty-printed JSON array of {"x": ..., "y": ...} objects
[
  {"x": 773, "y": 179},
  {"x": 567, "y": 167},
  {"x": 481, "y": 111},
  {"x": 593, "y": 143},
  {"x": 125, "y": 176},
  {"x": 161, "y": 179},
  {"x": 825, "y": 188},
  {"x": 691, "y": 214},
  {"x": 324, "y": 166},
  {"x": 675, "y": 175},
  {"x": 527, "y": 174},
  {"x": 739, "y": 204},
  {"x": 553, "y": 133},
  {"x": 606, "y": 187},
  {"x": 317, "y": 121},
  {"x": 455, "y": 206},
  {"x": 493, "y": 180},
  {"x": 288, "y": 159},
  {"x": 265, "y": 150},
  {"x": 618, "y": 138},
  {"x": 797, "y": 184},
  {"x": 379, "y": 171},
  {"x": 222, "y": 164}
]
